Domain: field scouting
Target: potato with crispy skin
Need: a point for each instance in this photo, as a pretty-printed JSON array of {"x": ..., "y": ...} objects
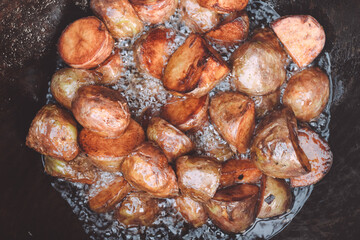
[
  {"x": 307, "y": 93},
  {"x": 264, "y": 104},
  {"x": 147, "y": 169},
  {"x": 198, "y": 177},
  {"x": 193, "y": 212},
  {"x": 109, "y": 153},
  {"x": 119, "y": 16},
  {"x": 101, "y": 110},
  {"x": 186, "y": 113},
  {"x": 85, "y": 43},
  {"x": 224, "y": 6},
  {"x": 233, "y": 114},
  {"x": 233, "y": 209},
  {"x": 53, "y": 132},
  {"x": 154, "y": 11},
  {"x": 275, "y": 148},
  {"x": 275, "y": 197},
  {"x": 111, "y": 69}
]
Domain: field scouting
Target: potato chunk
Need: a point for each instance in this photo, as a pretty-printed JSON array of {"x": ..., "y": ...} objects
[
  {"x": 264, "y": 104},
  {"x": 111, "y": 69},
  {"x": 224, "y": 6},
  {"x": 154, "y": 11},
  {"x": 193, "y": 212}
]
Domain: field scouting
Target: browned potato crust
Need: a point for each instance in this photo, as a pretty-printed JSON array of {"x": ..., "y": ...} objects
[
  {"x": 198, "y": 177},
  {"x": 53, "y": 132},
  {"x": 264, "y": 104},
  {"x": 111, "y": 69},
  {"x": 186, "y": 113},
  {"x": 234, "y": 116},
  {"x": 108, "y": 153},
  {"x": 154, "y": 11},
  {"x": 171, "y": 140},
  {"x": 101, "y": 110},
  {"x": 275, "y": 147},
  {"x": 224, "y": 6},
  {"x": 193, "y": 212},
  {"x": 307, "y": 93},
  {"x": 138, "y": 209},
  {"x": 147, "y": 169},
  {"x": 275, "y": 197},
  {"x": 119, "y": 16}
]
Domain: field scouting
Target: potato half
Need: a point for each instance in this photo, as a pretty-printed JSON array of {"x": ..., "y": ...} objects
[
  {"x": 154, "y": 11},
  {"x": 111, "y": 69}
]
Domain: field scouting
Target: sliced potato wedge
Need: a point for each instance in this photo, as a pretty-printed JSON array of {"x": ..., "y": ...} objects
[{"x": 154, "y": 11}]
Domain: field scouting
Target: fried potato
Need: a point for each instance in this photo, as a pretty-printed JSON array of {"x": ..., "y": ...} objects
[
  {"x": 154, "y": 11},
  {"x": 111, "y": 69},
  {"x": 264, "y": 104},
  {"x": 224, "y": 6},
  {"x": 234, "y": 116},
  {"x": 53, "y": 132},
  {"x": 101, "y": 110},
  {"x": 85, "y": 43},
  {"x": 193, "y": 212}
]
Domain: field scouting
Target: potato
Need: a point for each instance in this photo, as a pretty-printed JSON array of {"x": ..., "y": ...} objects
[
  {"x": 85, "y": 43},
  {"x": 275, "y": 197},
  {"x": 224, "y": 6},
  {"x": 259, "y": 65},
  {"x": 138, "y": 209},
  {"x": 107, "y": 192},
  {"x": 307, "y": 93},
  {"x": 79, "y": 169},
  {"x": 233, "y": 114},
  {"x": 264, "y": 104},
  {"x": 319, "y": 154},
  {"x": 111, "y": 69},
  {"x": 219, "y": 150},
  {"x": 53, "y": 132},
  {"x": 197, "y": 18},
  {"x": 233, "y": 30},
  {"x": 109, "y": 153},
  {"x": 101, "y": 110},
  {"x": 193, "y": 212},
  {"x": 66, "y": 82},
  {"x": 119, "y": 16},
  {"x": 153, "y": 50},
  {"x": 275, "y": 147},
  {"x": 154, "y": 11},
  {"x": 171, "y": 140},
  {"x": 236, "y": 171},
  {"x": 186, "y": 113},
  {"x": 148, "y": 170},
  {"x": 194, "y": 68},
  {"x": 302, "y": 36},
  {"x": 198, "y": 177},
  {"x": 233, "y": 209}
]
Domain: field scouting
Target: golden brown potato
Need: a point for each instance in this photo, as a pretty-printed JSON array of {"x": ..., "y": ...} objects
[
  {"x": 219, "y": 150},
  {"x": 138, "y": 209},
  {"x": 107, "y": 192},
  {"x": 119, "y": 16},
  {"x": 319, "y": 154},
  {"x": 233, "y": 30},
  {"x": 193, "y": 212},
  {"x": 233, "y": 209},
  {"x": 302, "y": 36},
  {"x": 186, "y": 113},
  {"x": 198, "y": 177},
  {"x": 154, "y": 11},
  {"x": 111, "y": 69},
  {"x": 234, "y": 116},
  {"x": 80, "y": 169},
  {"x": 109, "y": 153},
  {"x": 85, "y": 43},
  {"x": 101, "y": 110},
  {"x": 264, "y": 104},
  {"x": 66, "y": 82},
  {"x": 275, "y": 197},
  {"x": 194, "y": 68},
  {"x": 53, "y": 132},
  {"x": 259, "y": 64},
  {"x": 171, "y": 140},
  {"x": 197, "y": 18},
  {"x": 147, "y": 169},
  {"x": 307, "y": 93},
  {"x": 224, "y": 6},
  {"x": 239, "y": 171},
  {"x": 153, "y": 50},
  {"x": 275, "y": 147}
]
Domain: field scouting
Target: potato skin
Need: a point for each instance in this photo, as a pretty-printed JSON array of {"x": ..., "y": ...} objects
[
  {"x": 110, "y": 70},
  {"x": 148, "y": 170},
  {"x": 224, "y": 6},
  {"x": 101, "y": 110},
  {"x": 264, "y": 104},
  {"x": 193, "y": 212},
  {"x": 198, "y": 177},
  {"x": 53, "y": 132},
  {"x": 234, "y": 116},
  {"x": 154, "y": 11},
  {"x": 307, "y": 93}
]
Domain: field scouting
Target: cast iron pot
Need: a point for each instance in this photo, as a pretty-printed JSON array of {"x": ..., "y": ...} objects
[{"x": 32, "y": 209}]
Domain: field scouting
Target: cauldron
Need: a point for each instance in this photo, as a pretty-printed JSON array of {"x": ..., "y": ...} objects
[{"x": 32, "y": 209}]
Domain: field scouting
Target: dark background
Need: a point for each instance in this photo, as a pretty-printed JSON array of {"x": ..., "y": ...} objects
[{"x": 31, "y": 209}]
